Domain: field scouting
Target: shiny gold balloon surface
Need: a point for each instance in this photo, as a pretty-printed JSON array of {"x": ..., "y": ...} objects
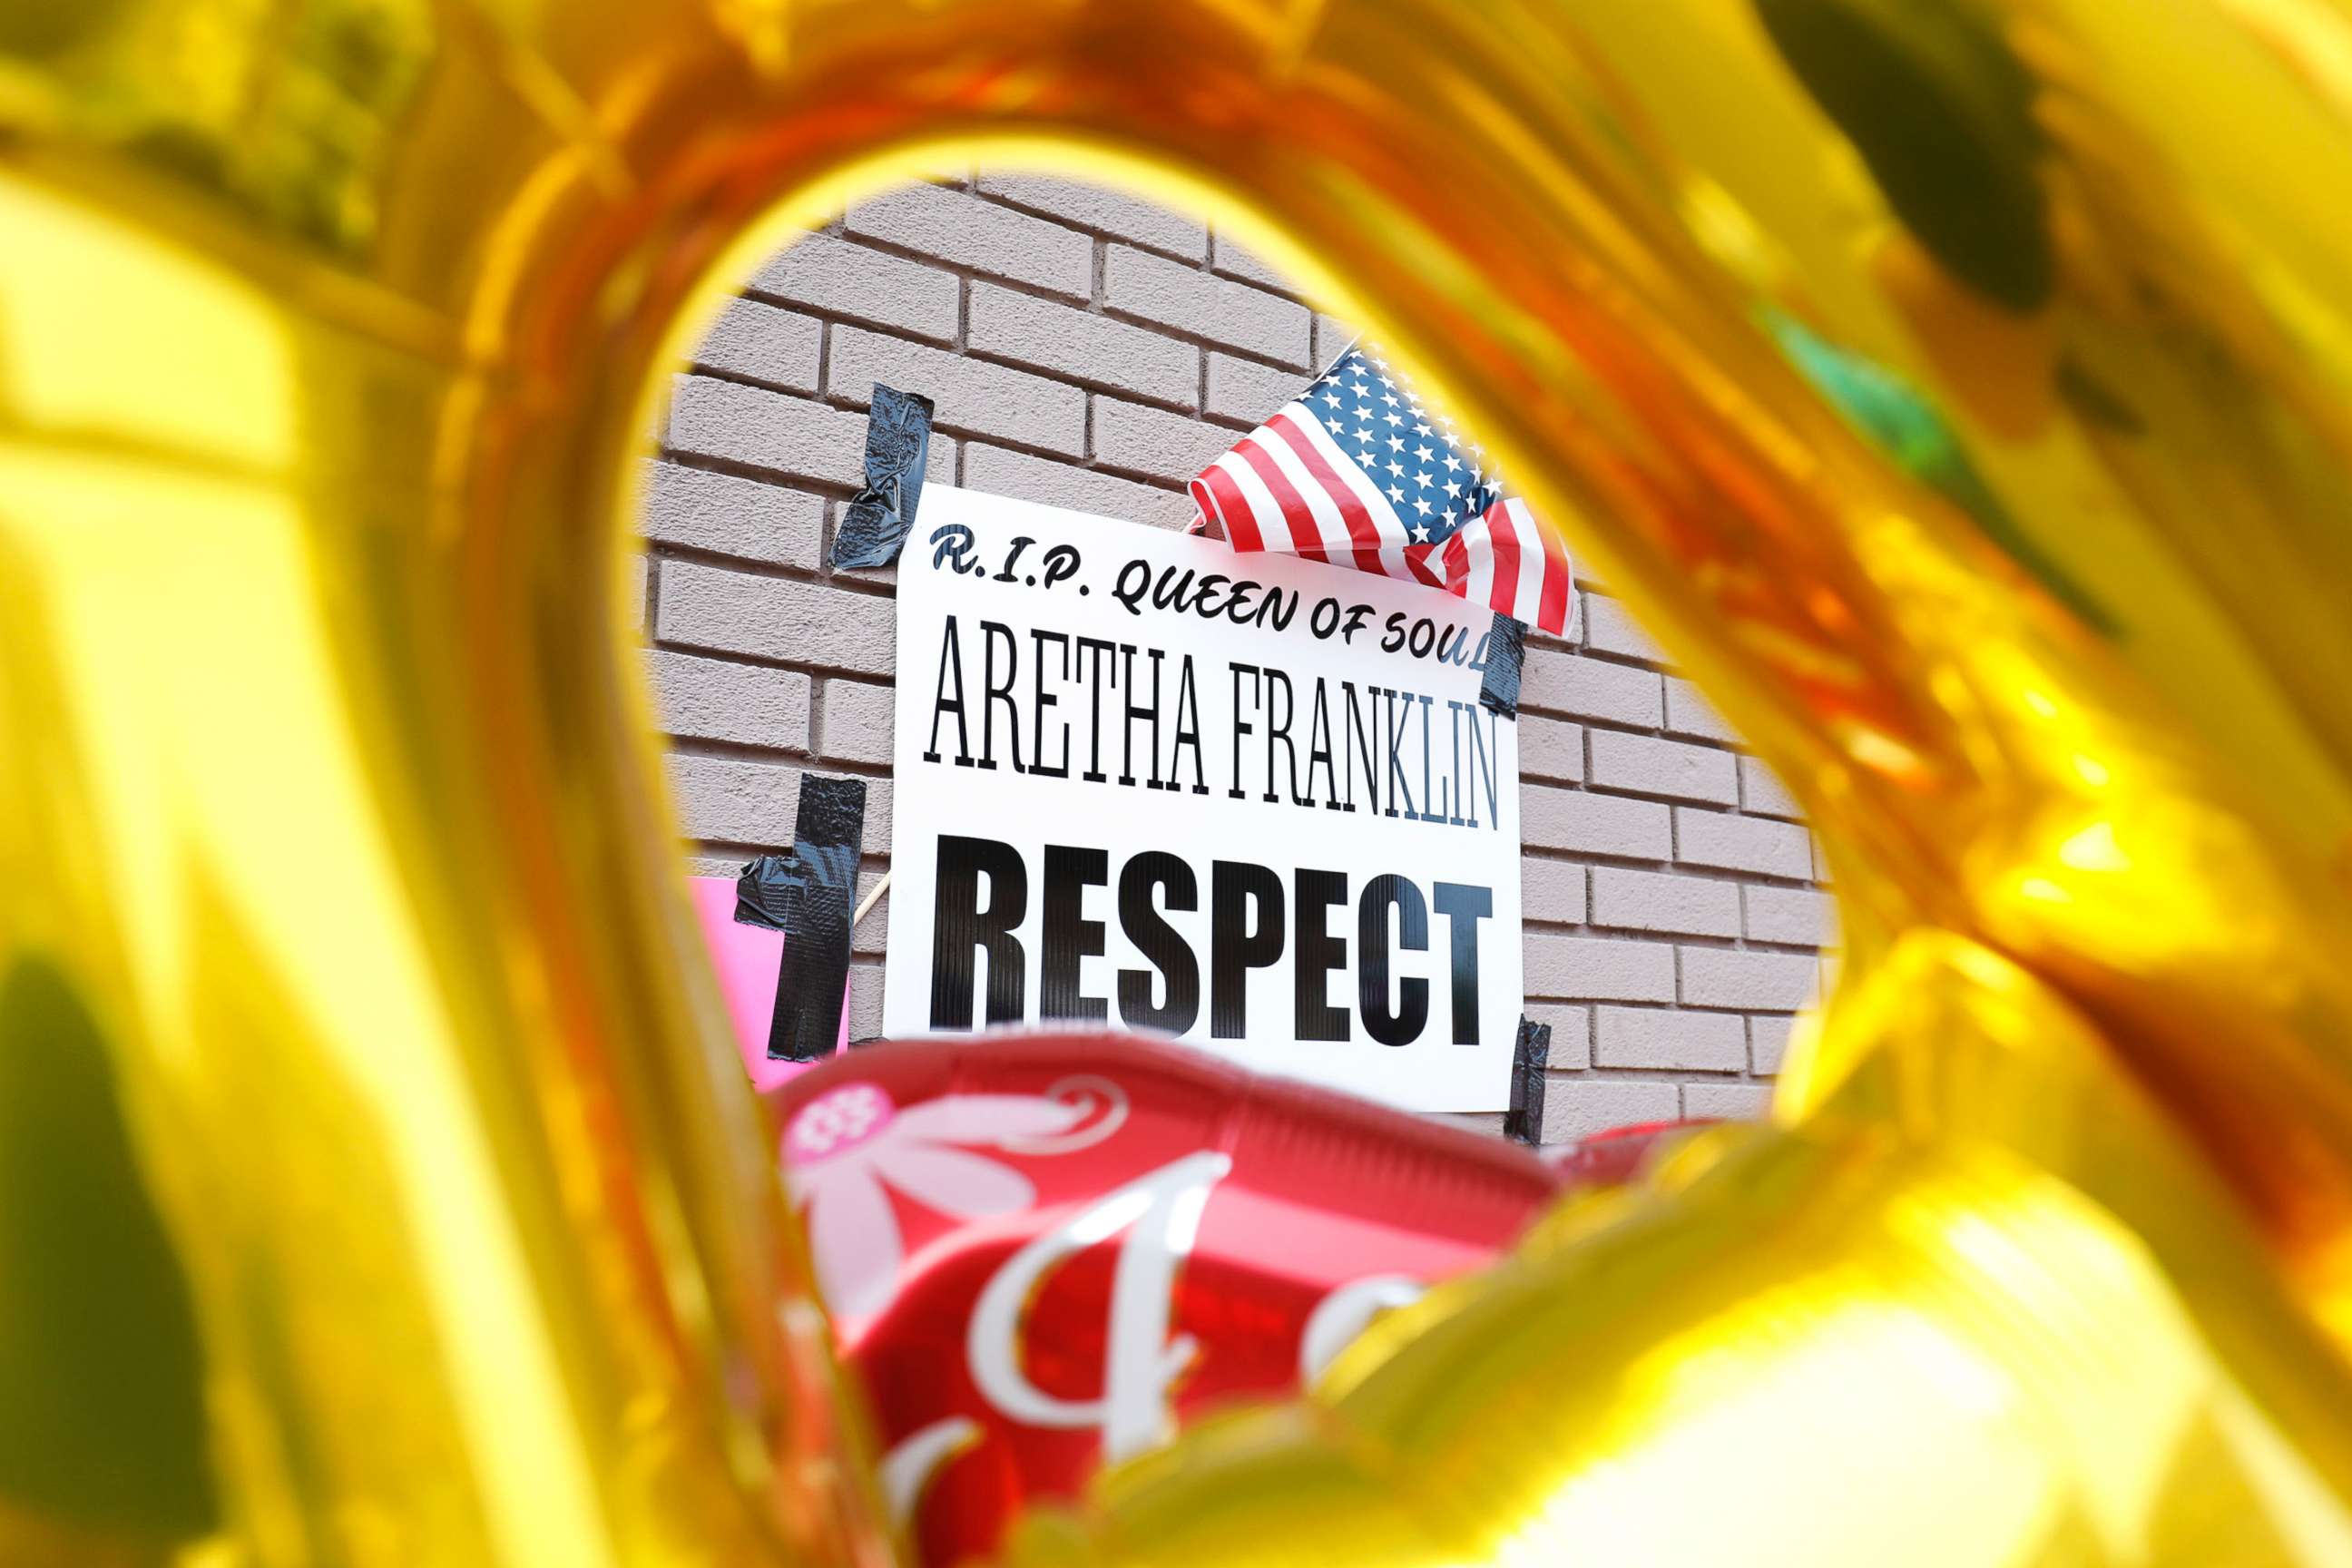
[{"x": 1963, "y": 388}]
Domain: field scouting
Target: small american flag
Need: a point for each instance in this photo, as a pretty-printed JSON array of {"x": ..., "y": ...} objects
[{"x": 1356, "y": 472}]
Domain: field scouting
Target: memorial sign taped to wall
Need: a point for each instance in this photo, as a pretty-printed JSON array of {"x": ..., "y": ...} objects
[{"x": 1251, "y": 801}]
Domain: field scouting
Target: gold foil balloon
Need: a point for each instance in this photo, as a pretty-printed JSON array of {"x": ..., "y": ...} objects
[{"x": 1964, "y": 389}]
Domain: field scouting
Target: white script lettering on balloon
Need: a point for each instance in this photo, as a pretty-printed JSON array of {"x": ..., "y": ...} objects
[
  {"x": 1346, "y": 1313},
  {"x": 1160, "y": 1213}
]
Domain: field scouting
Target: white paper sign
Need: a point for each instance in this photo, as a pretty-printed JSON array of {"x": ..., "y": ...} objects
[{"x": 1246, "y": 800}]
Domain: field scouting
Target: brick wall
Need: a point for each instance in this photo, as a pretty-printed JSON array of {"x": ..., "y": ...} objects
[{"x": 1090, "y": 350}]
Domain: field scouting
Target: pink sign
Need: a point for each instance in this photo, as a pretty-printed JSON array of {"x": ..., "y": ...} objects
[{"x": 746, "y": 958}]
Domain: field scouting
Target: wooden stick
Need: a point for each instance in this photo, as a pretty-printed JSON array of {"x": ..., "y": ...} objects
[{"x": 873, "y": 896}]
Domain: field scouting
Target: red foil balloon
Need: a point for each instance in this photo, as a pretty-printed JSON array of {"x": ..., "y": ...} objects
[{"x": 1042, "y": 1252}]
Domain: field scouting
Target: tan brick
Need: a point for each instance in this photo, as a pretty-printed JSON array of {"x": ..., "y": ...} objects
[
  {"x": 1762, "y": 792},
  {"x": 1652, "y": 766},
  {"x": 773, "y": 618},
  {"x": 1333, "y": 338},
  {"x": 1153, "y": 441},
  {"x": 1556, "y": 681},
  {"x": 1798, "y": 916},
  {"x": 1768, "y": 1043},
  {"x": 1139, "y": 284},
  {"x": 792, "y": 436},
  {"x": 763, "y": 343},
  {"x": 1027, "y": 478},
  {"x": 1551, "y": 891},
  {"x": 857, "y": 722},
  {"x": 1551, "y": 748},
  {"x": 1245, "y": 390},
  {"x": 865, "y": 1002},
  {"x": 1571, "y": 1034},
  {"x": 1229, "y": 259},
  {"x": 734, "y": 801},
  {"x": 1597, "y": 969},
  {"x": 840, "y": 278},
  {"x": 1688, "y": 713},
  {"x": 987, "y": 236},
  {"x": 1106, "y": 211},
  {"x": 1656, "y": 1037},
  {"x": 973, "y": 396},
  {"x": 1081, "y": 347},
  {"x": 729, "y": 516},
  {"x": 1610, "y": 627},
  {"x": 1758, "y": 981},
  {"x": 716, "y": 700},
  {"x": 1741, "y": 843},
  {"x": 1577, "y": 1108},
  {"x": 1679, "y": 903},
  {"x": 1593, "y": 824},
  {"x": 1726, "y": 1101}
]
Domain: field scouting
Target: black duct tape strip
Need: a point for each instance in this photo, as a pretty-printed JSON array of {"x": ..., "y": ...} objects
[
  {"x": 875, "y": 525},
  {"x": 1523, "y": 1123},
  {"x": 1507, "y": 655},
  {"x": 808, "y": 893}
]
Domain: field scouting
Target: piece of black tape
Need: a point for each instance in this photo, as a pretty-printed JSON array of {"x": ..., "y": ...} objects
[
  {"x": 1523, "y": 1123},
  {"x": 1507, "y": 655},
  {"x": 768, "y": 893},
  {"x": 808, "y": 893},
  {"x": 875, "y": 525}
]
